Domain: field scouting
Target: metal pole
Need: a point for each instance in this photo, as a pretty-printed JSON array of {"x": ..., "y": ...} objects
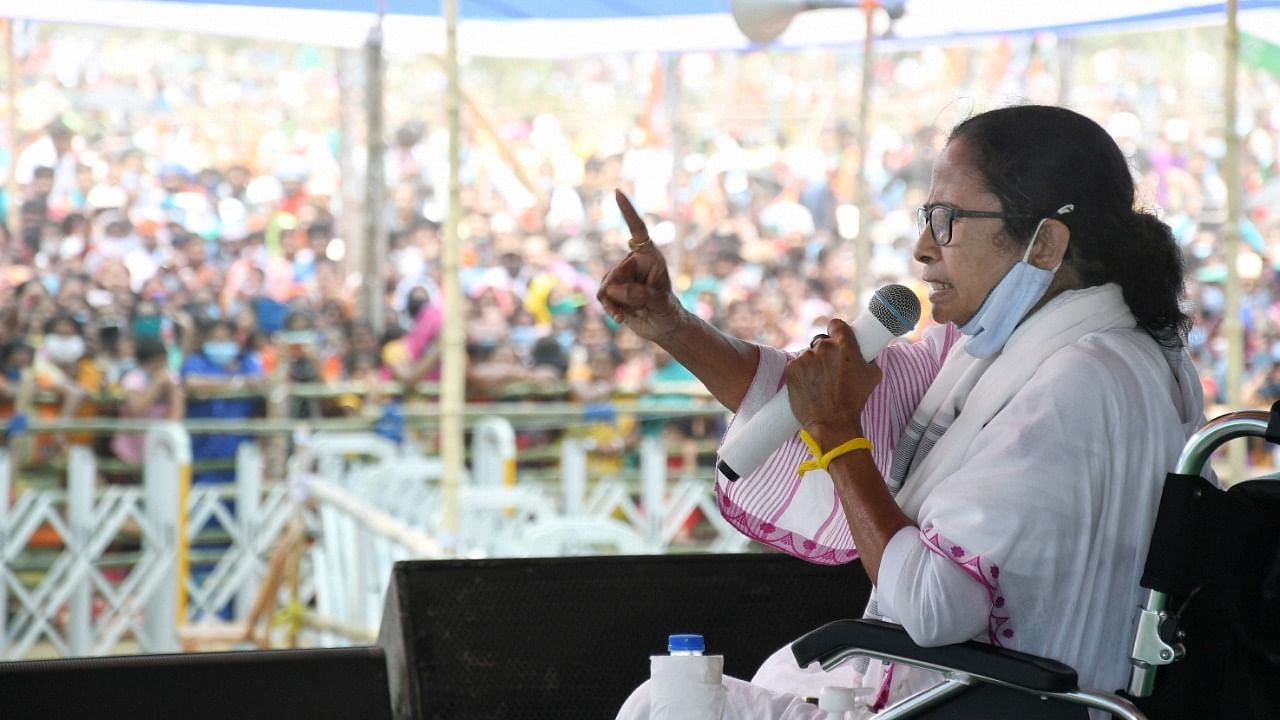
[
  {"x": 573, "y": 476},
  {"x": 4, "y": 551},
  {"x": 11, "y": 185},
  {"x": 374, "y": 244},
  {"x": 1066, "y": 68},
  {"x": 453, "y": 357},
  {"x": 1233, "y": 327},
  {"x": 862, "y": 198},
  {"x": 680, "y": 258},
  {"x": 81, "y": 469},
  {"x": 350, "y": 224},
  {"x": 166, "y": 481},
  {"x": 653, "y": 487},
  {"x": 493, "y": 453},
  {"x": 248, "y": 510}
]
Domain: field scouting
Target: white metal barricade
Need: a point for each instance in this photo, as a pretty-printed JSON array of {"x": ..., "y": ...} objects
[
  {"x": 366, "y": 503},
  {"x": 660, "y": 509},
  {"x": 72, "y": 606},
  {"x": 89, "y": 595}
]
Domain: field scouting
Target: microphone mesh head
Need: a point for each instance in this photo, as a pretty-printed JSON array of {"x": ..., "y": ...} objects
[{"x": 896, "y": 307}]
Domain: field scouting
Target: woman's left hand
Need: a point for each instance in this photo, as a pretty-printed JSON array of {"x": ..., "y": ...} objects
[{"x": 829, "y": 385}]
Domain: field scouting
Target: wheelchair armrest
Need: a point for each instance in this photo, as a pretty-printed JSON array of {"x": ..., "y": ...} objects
[{"x": 887, "y": 640}]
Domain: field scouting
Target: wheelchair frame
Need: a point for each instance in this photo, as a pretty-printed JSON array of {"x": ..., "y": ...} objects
[{"x": 1157, "y": 639}]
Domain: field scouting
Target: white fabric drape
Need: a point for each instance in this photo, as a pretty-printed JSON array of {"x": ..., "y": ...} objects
[{"x": 1042, "y": 483}]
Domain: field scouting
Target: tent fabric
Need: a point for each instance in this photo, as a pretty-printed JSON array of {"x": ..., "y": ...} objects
[
  {"x": 498, "y": 9},
  {"x": 565, "y": 28}
]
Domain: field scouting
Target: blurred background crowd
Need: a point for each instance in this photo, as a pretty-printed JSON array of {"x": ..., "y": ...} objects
[{"x": 179, "y": 220}]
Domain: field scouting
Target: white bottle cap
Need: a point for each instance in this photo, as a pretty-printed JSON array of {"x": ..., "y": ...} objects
[{"x": 840, "y": 699}]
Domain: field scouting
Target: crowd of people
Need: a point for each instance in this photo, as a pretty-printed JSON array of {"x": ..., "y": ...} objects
[{"x": 181, "y": 229}]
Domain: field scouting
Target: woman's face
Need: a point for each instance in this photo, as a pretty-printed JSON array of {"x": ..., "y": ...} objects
[{"x": 961, "y": 274}]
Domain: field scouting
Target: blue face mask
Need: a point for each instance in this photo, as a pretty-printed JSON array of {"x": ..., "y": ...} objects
[
  {"x": 524, "y": 336},
  {"x": 221, "y": 352},
  {"x": 566, "y": 338},
  {"x": 1008, "y": 302}
]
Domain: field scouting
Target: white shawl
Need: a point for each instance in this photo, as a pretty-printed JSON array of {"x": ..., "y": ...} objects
[
  {"x": 1045, "y": 484},
  {"x": 1039, "y": 471}
]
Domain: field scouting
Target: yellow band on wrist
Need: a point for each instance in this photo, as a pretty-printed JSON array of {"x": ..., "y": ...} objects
[{"x": 822, "y": 460}]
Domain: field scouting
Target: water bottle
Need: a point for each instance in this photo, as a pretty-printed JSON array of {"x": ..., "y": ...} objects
[{"x": 685, "y": 684}]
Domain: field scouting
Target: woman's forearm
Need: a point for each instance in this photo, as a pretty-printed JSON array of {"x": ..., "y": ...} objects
[
  {"x": 873, "y": 515},
  {"x": 724, "y": 364}
]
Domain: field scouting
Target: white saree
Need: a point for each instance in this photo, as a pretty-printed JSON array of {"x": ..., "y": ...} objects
[
  {"x": 1037, "y": 472},
  {"x": 1046, "y": 474}
]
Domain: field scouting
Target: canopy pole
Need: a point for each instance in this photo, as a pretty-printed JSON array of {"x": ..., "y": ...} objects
[
  {"x": 350, "y": 225},
  {"x": 1233, "y": 327},
  {"x": 862, "y": 195},
  {"x": 680, "y": 255},
  {"x": 453, "y": 380},
  {"x": 374, "y": 243},
  {"x": 12, "y": 202}
]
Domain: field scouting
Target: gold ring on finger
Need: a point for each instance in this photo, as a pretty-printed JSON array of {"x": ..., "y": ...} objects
[{"x": 639, "y": 243}]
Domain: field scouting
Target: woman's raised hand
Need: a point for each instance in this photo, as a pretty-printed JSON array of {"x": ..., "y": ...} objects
[{"x": 637, "y": 291}]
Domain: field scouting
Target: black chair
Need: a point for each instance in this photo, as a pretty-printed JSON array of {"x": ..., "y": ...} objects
[{"x": 1212, "y": 613}]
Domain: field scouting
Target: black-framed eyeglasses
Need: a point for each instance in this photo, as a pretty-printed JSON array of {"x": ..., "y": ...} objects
[{"x": 940, "y": 217}]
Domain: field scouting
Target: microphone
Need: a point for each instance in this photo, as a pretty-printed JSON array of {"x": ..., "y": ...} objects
[{"x": 893, "y": 311}]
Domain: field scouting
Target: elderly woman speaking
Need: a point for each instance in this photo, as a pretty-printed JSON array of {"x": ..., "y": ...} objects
[{"x": 998, "y": 479}]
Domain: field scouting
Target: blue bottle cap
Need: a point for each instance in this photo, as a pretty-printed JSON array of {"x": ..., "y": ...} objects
[{"x": 685, "y": 643}]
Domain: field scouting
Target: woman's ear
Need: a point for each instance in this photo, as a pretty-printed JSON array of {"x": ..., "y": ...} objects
[{"x": 1051, "y": 244}]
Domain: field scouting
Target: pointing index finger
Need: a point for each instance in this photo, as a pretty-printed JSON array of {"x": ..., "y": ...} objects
[{"x": 634, "y": 223}]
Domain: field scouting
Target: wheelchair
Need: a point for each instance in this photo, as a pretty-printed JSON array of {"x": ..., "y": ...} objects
[{"x": 1209, "y": 625}]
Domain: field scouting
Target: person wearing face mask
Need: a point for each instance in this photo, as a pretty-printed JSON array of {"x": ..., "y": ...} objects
[
  {"x": 146, "y": 322},
  {"x": 298, "y": 347},
  {"x": 1018, "y": 522},
  {"x": 215, "y": 378},
  {"x": 220, "y": 381},
  {"x": 415, "y": 357},
  {"x": 63, "y": 367}
]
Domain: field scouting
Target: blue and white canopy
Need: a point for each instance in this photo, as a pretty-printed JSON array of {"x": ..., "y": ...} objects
[{"x": 564, "y": 28}]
